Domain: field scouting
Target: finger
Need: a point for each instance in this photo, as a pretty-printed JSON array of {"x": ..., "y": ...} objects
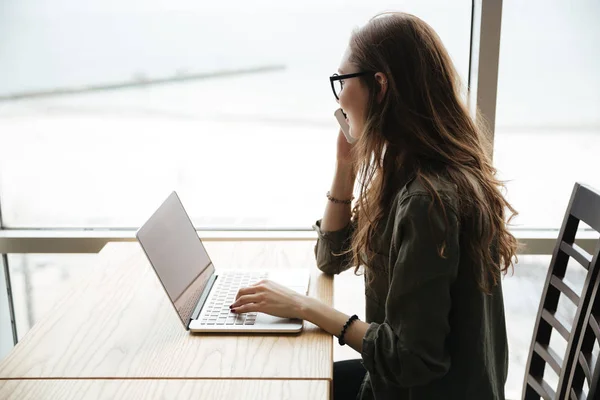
[
  {"x": 246, "y": 291},
  {"x": 249, "y": 298},
  {"x": 251, "y": 307}
]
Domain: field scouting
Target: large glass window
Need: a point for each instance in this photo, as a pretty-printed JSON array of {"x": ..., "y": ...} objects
[
  {"x": 548, "y": 108},
  {"x": 248, "y": 149},
  {"x": 6, "y": 337},
  {"x": 39, "y": 280}
]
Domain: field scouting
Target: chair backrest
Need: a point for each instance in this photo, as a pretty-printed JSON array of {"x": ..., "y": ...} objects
[
  {"x": 584, "y": 206},
  {"x": 586, "y": 367}
]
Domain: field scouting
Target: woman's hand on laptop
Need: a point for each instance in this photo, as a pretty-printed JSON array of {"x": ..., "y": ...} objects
[{"x": 270, "y": 298}]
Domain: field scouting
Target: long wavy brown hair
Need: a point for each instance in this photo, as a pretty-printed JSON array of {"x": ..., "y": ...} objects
[{"x": 422, "y": 128}]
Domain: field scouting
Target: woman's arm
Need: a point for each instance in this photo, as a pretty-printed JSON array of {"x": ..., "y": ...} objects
[
  {"x": 337, "y": 215},
  {"x": 335, "y": 229},
  {"x": 332, "y": 321},
  {"x": 272, "y": 298}
]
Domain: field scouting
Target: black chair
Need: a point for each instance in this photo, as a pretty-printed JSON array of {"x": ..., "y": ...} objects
[
  {"x": 584, "y": 206},
  {"x": 586, "y": 369}
]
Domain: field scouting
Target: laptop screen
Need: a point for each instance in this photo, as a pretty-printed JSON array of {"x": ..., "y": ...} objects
[{"x": 177, "y": 254}]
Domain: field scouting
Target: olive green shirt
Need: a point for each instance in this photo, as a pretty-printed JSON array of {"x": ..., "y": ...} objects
[{"x": 433, "y": 333}]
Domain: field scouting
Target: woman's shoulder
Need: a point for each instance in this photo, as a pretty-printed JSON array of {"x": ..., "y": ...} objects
[{"x": 421, "y": 187}]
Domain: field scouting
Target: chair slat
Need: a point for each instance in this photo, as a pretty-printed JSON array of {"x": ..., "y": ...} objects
[
  {"x": 565, "y": 289},
  {"x": 540, "y": 386},
  {"x": 576, "y": 396},
  {"x": 579, "y": 254},
  {"x": 585, "y": 362},
  {"x": 595, "y": 327},
  {"x": 550, "y": 356},
  {"x": 556, "y": 324}
]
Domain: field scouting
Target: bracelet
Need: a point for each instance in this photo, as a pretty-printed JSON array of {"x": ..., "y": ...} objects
[
  {"x": 337, "y": 201},
  {"x": 348, "y": 323}
]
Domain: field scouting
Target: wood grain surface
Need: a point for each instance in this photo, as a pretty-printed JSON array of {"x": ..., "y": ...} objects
[
  {"x": 119, "y": 323},
  {"x": 165, "y": 389}
]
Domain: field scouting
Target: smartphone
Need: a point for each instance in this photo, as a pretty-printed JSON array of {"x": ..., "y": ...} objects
[{"x": 341, "y": 118}]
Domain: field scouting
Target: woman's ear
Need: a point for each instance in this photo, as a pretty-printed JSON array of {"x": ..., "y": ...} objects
[{"x": 383, "y": 85}]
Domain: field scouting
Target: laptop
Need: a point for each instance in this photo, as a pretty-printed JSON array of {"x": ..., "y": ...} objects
[{"x": 200, "y": 294}]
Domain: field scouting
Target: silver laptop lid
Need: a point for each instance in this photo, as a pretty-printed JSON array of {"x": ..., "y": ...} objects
[{"x": 176, "y": 253}]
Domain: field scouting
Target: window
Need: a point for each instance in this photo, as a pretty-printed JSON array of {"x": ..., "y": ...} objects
[
  {"x": 6, "y": 339},
  {"x": 246, "y": 150},
  {"x": 548, "y": 108},
  {"x": 39, "y": 280}
]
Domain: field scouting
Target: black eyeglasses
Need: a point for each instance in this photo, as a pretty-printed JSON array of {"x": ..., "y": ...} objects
[{"x": 337, "y": 81}]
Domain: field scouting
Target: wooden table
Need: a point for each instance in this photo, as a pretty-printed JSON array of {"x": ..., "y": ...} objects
[
  {"x": 162, "y": 389},
  {"x": 119, "y": 326}
]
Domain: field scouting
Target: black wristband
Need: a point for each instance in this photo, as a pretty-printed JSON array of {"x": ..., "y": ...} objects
[
  {"x": 346, "y": 325},
  {"x": 337, "y": 201}
]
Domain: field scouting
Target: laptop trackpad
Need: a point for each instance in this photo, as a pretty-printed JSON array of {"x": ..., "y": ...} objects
[
  {"x": 266, "y": 319},
  {"x": 295, "y": 279}
]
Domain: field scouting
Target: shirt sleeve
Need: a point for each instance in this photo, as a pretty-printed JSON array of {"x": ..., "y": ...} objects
[
  {"x": 409, "y": 347},
  {"x": 331, "y": 248}
]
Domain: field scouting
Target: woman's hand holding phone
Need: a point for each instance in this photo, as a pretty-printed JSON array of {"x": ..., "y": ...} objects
[
  {"x": 344, "y": 148},
  {"x": 341, "y": 118},
  {"x": 337, "y": 216},
  {"x": 345, "y": 141}
]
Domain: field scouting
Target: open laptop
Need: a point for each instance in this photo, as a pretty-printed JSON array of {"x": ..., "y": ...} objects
[{"x": 201, "y": 295}]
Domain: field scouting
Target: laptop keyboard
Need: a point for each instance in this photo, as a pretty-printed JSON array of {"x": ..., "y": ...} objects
[{"x": 217, "y": 310}]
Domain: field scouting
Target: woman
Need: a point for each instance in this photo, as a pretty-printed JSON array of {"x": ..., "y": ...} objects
[{"x": 428, "y": 228}]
